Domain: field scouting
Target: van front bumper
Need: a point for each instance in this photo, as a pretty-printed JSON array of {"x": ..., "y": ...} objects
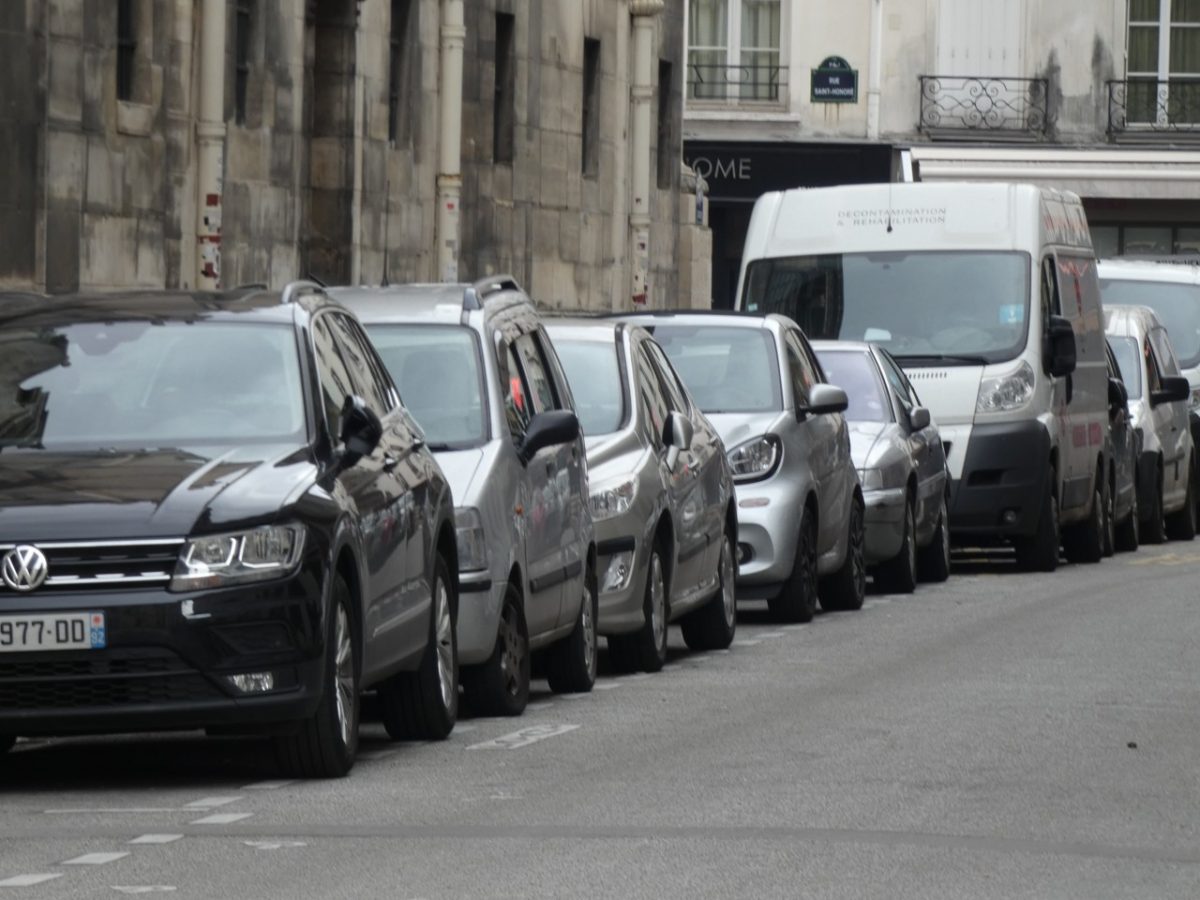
[{"x": 1003, "y": 484}]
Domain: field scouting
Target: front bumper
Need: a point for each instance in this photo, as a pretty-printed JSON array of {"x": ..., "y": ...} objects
[
  {"x": 768, "y": 527},
  {"x": 1004, "y": 482},
  {"x": 622, "y": 609},
  {"x": 884, "y": 518},
  {"x": 164, "y": 670},
  {"x": 480, "y": 601}
]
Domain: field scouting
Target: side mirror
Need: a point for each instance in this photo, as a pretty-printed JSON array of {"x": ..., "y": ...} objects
[
  {"x": 825, "y": 398},
  {"x": 677, "y": 435},
  {"x": 919, "y": 418},
  {"x": 1058, "y": 351},
  {"x": 548, "y": 429},
  {"x": 1118, "y": 397},
  {"x": 1174, "y": 389},
  {"x": 361, "y": 429}
]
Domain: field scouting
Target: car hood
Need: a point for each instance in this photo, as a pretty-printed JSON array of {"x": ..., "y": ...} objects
[
  {"x": 460, "y": 468},
  {"x": 864, "y": 436},
  {"x": 132, "y": 494},
  {"x": 737, "y": 428}
]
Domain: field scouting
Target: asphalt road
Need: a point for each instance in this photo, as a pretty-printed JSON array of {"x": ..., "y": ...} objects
[{"x": 1002, "y": 735}]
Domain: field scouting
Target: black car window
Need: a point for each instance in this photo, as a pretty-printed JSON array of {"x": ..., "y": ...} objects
[
  {"x": 650, "y": 395},
  {"x": 332, "y": 372},
  {"x": 369, "y": 382},
  {"x": 518, "y": 402},
  {"x": 537, "y": 373},
  {"x": 855, "y": 372},
  {"x": 667, "y": 377},
  {"x": 1163, "y": 352}
]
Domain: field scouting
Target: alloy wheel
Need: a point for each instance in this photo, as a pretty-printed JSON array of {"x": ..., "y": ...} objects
[
  {"x": 587, "y": 621},
  {"x": 857, "y": 539},
  {"x": 445, "y": 645},
  {"x": 346, "y": 696},
  {"x": 512, "y": 657},
  {"x": 658, "y": 600},
  {"x": 728, "y": 590}
]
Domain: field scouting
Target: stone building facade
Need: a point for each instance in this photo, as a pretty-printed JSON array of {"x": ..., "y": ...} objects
[{"x": 328, "y": 146}]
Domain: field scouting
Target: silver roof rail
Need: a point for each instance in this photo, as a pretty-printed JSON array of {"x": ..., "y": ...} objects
[
  {"x": 474, "y": 296},
  {"x": 297, "y": 289}
]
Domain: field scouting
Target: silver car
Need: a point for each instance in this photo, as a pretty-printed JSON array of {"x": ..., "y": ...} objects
[
  {"x": 662, "y": 495},
  {"x": 477, "y": 371},
  {"x": 901, "y": 466},
  {"x": 1158, "y": 406},
  {"x": 1122, "y": 528},
  {"x": 800, "y": 507}
]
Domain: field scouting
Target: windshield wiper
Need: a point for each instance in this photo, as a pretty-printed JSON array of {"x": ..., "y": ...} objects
[{"x": 958, "y": 359}]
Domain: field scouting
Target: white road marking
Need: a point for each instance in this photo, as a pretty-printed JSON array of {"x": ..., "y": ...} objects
[
  {"x": 111, "y": 811},
  {"x": 574, "y": 697},
  {"x": 524, "y": 737},
  {"x": 746, "y": 643},
  {"x": 274, "y": 845},
  {"x": 157, "y": 839},
  {"x": 267, "y": 785},
  {"x": 211, "y": 802},
  {"x": 538, "y": 707},
  {"x": 95, "y": 859},
  {"x": 606, "y": 685},
  {"x": 221, "y": 819},
  {"x": 769, "y": 635},
  {"x": 29, "y": 880},
  {"x": 144, "y": 888}
]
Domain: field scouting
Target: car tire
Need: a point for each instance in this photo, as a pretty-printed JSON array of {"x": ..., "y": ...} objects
[
  {"x": 7, "y": 741},
  {"x": 500, "y": 685},
  {"x": 325, "y": 744},
  {"x": 1181, "y": 526},
  {"x": 713, "y": 626},
  {"x": 846, "y": 588},
  {"x": 1128, "y": 533},
  {"x": 1153, "y": 524},
  {"x": 898, "y": 575},
  {"x": 797, "y": 599},
  {"x": 646, "y": 648},
  {"x": 1084, "y": 543},
  {"x": 571, "y": 663},
  {"x": 1109, "y": 540},
  {"x": 423, "y": 705},
  {"x": 1040, "y": 552},
  {"x": 933, "y": 562}
]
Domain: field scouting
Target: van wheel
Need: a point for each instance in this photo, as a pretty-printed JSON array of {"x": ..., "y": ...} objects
[
  {"x": 1084, "y": 543},
  {"x": 571, "y": 663},
  {"x": 500, "y": 685},
  {"x": 1181, "y": 526},
  {"x": 797, "y": 599},
  {"x": 933, "y": 562},
  {"x": 423, "y": 705},
  {"x": 646, "y": 648},
  {"x": 713, "y": 625},
  {"x": 846, "y": 588},
  {"x": 899, "y": 574},
  {"x": 1040, "y": 552},
  {"x": 1110, "y": 517},
  {"x": 1153, "y": 526},
  {"x": 1128, "y": 532}
]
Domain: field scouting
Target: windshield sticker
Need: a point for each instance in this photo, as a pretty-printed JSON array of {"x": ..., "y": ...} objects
[{"x": 1011, "y": 314}]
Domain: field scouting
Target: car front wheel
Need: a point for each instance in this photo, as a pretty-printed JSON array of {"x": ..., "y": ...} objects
[
  {"x": 934, "y": 561},
  {"x": 797, "y": 599},
  {"x": 500, "y": 686},
  {"x": 713, "y": 625},
  {"x": 646, "y": 648},
  {"x": 846, "y": 588},
  {"x": 571, "y": 663},
  {"x": 899, "y": 574}
]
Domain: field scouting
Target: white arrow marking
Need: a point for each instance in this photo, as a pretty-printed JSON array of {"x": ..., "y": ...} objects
[
  {"x": 524, "y": 737},
  {"x": 211, "y": 802},
  {"x": 28, "y": 880},
  {"x": 144, "y": 888},
  {"x": 95, "y": 859},
  {"x": 222, "y": 819},
  {"x": 157, "y": 839}
]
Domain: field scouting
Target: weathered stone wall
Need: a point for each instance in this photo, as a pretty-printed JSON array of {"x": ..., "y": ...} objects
[{"x": 22, "y": 87}]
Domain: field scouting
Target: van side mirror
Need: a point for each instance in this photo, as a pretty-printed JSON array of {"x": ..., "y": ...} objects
[
  {"x": 824, "y": 398},
  {"x": 1058, "y": 352},
  {"x": 919, "y": 418},
  {"x": 361, "y": 430},
  {"x": 548, "y": 429},
  {"x": 1118, "y": 397},
  {"x": 1174, "y": 388}
]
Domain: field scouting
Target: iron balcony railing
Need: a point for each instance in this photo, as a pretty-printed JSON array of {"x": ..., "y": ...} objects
[
  {"x": 985, "y": 104},
  {"x": 737, "y": 84},
  {"x": 1145, "y": 105}
]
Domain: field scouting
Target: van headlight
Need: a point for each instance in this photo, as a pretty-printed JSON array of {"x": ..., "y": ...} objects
[
  {"x": 755, "y": 459},
  {"x": 472, "y": 542},
  {"x": 1002, "y": 393},
  {"x": 613, "y": 498},
  {"x": 221, "y": 560}
]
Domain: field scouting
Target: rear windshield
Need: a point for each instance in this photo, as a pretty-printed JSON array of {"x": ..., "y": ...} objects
[
  {"x": 726, "y": 370},
  {"x": 1177, "y": 306},
  {"x": 1129, "y": 356},
  {"x": 437, "y": 371},
  {"x": 593, "y": 371},
  {"x": 855, "y": 372}
]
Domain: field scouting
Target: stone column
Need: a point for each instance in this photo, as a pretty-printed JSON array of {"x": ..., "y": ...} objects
[{"x": 644, "y": 13}]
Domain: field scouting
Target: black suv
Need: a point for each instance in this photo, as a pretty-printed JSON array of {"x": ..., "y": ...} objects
[{"x": 214, "y": 513}]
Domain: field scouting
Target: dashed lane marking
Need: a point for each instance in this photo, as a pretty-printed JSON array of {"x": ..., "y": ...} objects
[
  {"x": 769, "y": 635},
  {"x": 211, "y": 802},
  {"x": 221, "y": 819},
  {"x": 157, "y": 839},
  {"x": 30, "y": 880},
  {"x": 110, "y": 811},
  {"x": 144, "y": 888},
  {"x": 274, "y": 845},
  {"x": 267, "y": 785},
  {"x": 524, "y": 737},
  {"x": 95, "y": 859},
  {"x": 746, "y": 643},
  {"x": 606, "y": 685}
]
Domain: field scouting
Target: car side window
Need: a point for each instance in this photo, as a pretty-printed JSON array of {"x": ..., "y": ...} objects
[
  {"x": 900, "y": 385},
  {"x": 369, "y": 382},
  {"x": 800, "y": 370},
  {"x": 518, "y": 404},
  {"x": 650, "y": 395},
  {"x": 537, "y": 373},
  {"x": 1163, "y": 352},
  {"x": 332, "y": 372},
  {"x": 666, "y": 375},
  {"x": 1051, "y": 304}
]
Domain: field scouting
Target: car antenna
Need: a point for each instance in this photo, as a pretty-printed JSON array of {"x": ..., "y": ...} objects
[
  {"x": 315, "y": 280},
  {"x": 889, "y": 219},
  {"x": 387, "y": 218}
]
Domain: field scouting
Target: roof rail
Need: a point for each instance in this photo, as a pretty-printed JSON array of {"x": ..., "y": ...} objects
[
  {"x": 297, "y": 289},
  {"x": 481, "y": 289}
]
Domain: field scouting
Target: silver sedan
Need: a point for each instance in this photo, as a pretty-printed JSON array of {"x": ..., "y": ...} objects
[{"x": 901, "y": 463}]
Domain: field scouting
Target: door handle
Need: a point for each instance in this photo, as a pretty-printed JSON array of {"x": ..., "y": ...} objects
[{"x": 390, "y": 462}]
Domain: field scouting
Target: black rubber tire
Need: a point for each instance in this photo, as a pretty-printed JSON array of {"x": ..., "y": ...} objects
[
  {"x": 318, "y": 749},
  {"x": 643, "y": 649},
  {"x": 1084, "y": 543},
  {"x": 1109, "y": 535},
  {"x": 846, "y": 589},
  {"x": 933, "y": 562},
  {"x": 1153, "y": 525},
  {"x": 571, "y": 663},
  {"x": 499, "y": 686},
  {"x": 6, "y": 742},
  {"x": 1128, "y": 533},
  {"x": 1040, "y": 552},
  {"x": 413, "y": 705},
  {"x": 898, "y": 575},
  {"x": 797, "y": 599},
  {"x": 1181, "y": 526},
  {"x": 713, "y": 626}
]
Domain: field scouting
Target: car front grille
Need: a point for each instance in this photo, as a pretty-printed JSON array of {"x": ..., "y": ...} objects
[{"x": 75, "y": 565}]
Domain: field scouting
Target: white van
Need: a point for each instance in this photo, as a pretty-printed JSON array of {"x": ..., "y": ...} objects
[{"x": 987, "y": 295}]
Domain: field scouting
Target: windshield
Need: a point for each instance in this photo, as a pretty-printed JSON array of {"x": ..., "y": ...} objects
[
  {"x": 726, "y": 370},
  {"x": 436, "y": 369},
  {"x": 947, "y": 307},
  {"x": 855, "y": 372},
  {"x": 593, "y": 372},
  {"x": 1129, "y": 361},
  {"x": 1177, "y": 306},
  {"x": 143, "y": 385}
]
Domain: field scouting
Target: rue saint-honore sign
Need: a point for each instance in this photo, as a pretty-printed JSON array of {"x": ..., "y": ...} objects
[{"x": 833, "y": 81}]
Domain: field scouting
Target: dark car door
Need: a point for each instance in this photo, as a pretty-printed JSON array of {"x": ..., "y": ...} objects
[
  {"x": 1121, "y": 437},
  {"x": 924, "y": 445}
]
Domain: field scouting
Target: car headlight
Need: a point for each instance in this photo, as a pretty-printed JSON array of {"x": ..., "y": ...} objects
[
  {"x": 221, "y": 560},
  {"x": 755, "y": 459},
  {"x": 472, "y": 542},
  {"x": 610, "y": 500},
  {"x": 1002, "y": 393},
  {"x": 871, "y": 479}
]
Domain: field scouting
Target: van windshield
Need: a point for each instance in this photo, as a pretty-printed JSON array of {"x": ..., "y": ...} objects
[
  {"x": 925, "y": 307},
  {"x": 1177, "y": 306}
]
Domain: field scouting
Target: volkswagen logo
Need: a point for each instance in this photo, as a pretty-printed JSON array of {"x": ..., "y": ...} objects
[{"x": 24, "y": 568}]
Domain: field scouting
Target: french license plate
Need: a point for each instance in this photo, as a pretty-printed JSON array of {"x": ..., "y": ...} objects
[{"x": 53, "y": 631}]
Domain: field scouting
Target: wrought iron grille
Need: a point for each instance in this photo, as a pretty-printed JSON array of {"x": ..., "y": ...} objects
[
  {"x": 1143, "y": 104},
  {"x": 985, "y": 104},
  {"x": 724, "y": 84}
]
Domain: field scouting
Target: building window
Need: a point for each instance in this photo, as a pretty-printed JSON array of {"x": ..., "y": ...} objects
[
  {"x": 668, "y": 164},
  {"x": 1163, "y": 60},
  {"x": 504, "y": 102},
  {"x": 1146, "y": 240},
  {"x": 126, "y": 48},
  {"x": 733, "y": 50},
  {"x": 398, "y": 80},
  {"x": 241, "y": 82},
  {"x": 591, "y": 107}
]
